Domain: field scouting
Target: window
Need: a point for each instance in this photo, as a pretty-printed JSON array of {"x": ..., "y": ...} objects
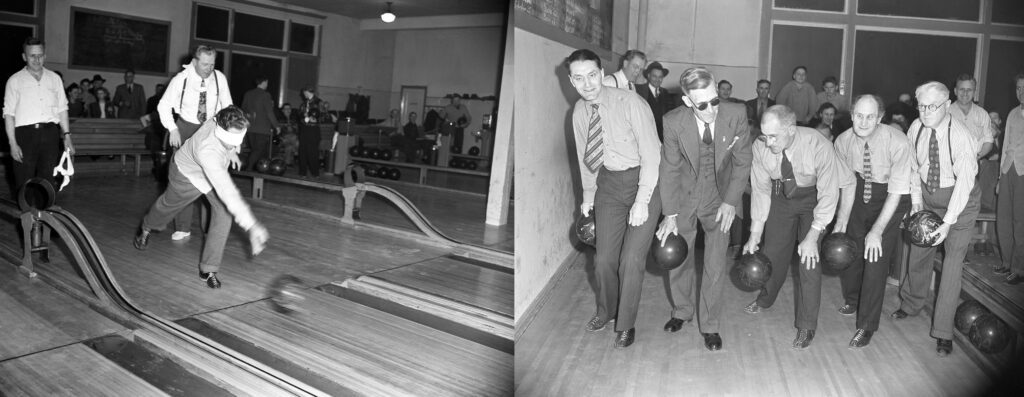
[
  {"x": 212, "y": 23},
  {"x": 258, "y": 31}
]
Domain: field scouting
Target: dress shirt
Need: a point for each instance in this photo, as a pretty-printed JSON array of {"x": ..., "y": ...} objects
[
  {"x": 203, "y": 159},
  {"x": 189, "y": 103},
  {"x": 33, "y": 101},
  {"x": 620, "y": 81},
  {"x": 629, "y": 139},
  {"x": 977, "y": 121},
  {"x": 891, "y": 155},
  {"x": 814, "y": 163},
  {"x": 1013, "y": 142},
  {"x": 958, "y": 172},
  {"x": 700, "y": 127}
]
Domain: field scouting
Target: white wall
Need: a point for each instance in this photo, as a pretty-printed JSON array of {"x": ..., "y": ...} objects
[{"x": 350, "y": 59}]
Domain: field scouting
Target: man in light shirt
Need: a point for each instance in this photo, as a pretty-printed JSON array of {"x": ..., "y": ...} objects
[
  {"x": 1010, "y": 202},
  {"x": 630, "y": 67},
  {"x": 976, "y": 118},
  {"x": 200, "y": 168}
]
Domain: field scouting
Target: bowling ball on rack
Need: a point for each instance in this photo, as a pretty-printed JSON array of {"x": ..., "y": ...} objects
[
  {"x": 323, "y": 163},
  {"x": 672, "y": 253},
  {"x": 990, "y": 334},
  {"x": 839, "y": 251},
  {"x": 277, "y": 167},
  {"x": 286, "y": 294},
  {"x": 386, "y": 155},
  {"x": 454, "y": 163},
  {"x": 456, "y": 149},
  {"x": 474, "y": 151},
  {"x": 471, "y": 165},
  {"x": 263, "y": 165},
  {"x": 752, "y": 271},
  {"x": 967, "y": 313},
  {"x": 395, "y": 174},
  {"x": 370, "y": 171},
  {"x": 354, "y": 151},
  {"x": 363, "y": 152},
  {"x": 920, "y": 225},
  {"x": 586, "y": 229}
]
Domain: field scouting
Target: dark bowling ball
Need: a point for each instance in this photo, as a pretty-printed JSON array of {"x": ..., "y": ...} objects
[
  {"x": 372, "y": 153},
  {"x": 838, "y": 251},
  {"x": 36, "y": 194},
  {"x": 323, "y": 164},
  {"x": 752, "y": 271},
  {"x": 967, "y": 313},
  {"x": 371, "y": 171},
  {"x": 277, "y": 167},
  {"x": 386, "y": 155},
  {"x": 457, "y": 149},
  {"x": 474, "y": 151},
  {"x": 586, "y": 229},
  {"x": 920, "y": 225},
  {"x": 262, "y": 166},
  {"x": 395, "y": 174},
  {"x": 454, "y": 163},
  {"x": 672, "y": 254},
  {"x": 471, "y": 165},
  {"x": 990, "y": 334},
  {"x": 276, "y": 140},
  {"x": 286, "y": 294},
  {"x": 354, "y": 151},
  {"x": 364, "y": 152}
]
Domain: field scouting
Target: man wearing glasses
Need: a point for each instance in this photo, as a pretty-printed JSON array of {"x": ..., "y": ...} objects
[
  {"x": 880, "y": 157},
  {"x": 630, "y": 67},
  {"x": 618, "y": 152},
  {"x": 704, "y": 169},
  {"x": 795, "y": 180},
  {"x": 945, "y": 161}
]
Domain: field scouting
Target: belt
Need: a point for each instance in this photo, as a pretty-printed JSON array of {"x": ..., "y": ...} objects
[{"x": 37, "y": 126}]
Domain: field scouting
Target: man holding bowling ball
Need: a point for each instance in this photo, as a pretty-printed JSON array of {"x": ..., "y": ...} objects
[
  {"x": 705, "y": 164},
  {"x": 870, "y": 213},
  {"x": 945, "y": 165},
  {"x": 795, "y": 180},
  {"x": 618, "y": 152}
]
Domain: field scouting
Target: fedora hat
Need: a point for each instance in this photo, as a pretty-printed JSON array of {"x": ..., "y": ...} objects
[{"x": 655, "y": 65}]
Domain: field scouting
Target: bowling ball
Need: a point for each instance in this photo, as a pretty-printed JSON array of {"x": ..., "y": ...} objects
[
  {"x": 456, "y": 149},
  {"x": 586, "y": 231},
  {"x": 286, "y": 294},
  {"x": 371, "y": 171},
  {"x": 752, "y": 271},
  {"x": 471, "y": 165},
  {"x": 363, "y": 152},
  {"x": 838, "y": 251},
  {"x": 920, "y": 225},
  {"x": 277, "y": 167},
  {"x": 385, "y": 155},
  {"x": 990, "y": 334},
  {"x": 395, "y": 174},
  {"x": 36, "y": 194},
  {"x": 474, "y": 151},
  {"x": 672, "y": 254},
  {"x": 262, "y": 166},
  {"x": 276, "y": 140},
  {"x": 967, "y": 313},
  {"x": 454, "y": 163},
  {"x": 323, "y": 163}
]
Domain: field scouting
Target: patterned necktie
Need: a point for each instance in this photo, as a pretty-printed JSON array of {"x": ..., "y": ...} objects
[
  {"x": 788, "y": 178},
  {"x": 707, "y": 134},
  {"x": 867, "y": 174},
  {"x": 933, "y": 162},
  {"x": 631, "y": 87},
  {"x": 202, "y": 104},
  {"x": 595, "y": 148}
]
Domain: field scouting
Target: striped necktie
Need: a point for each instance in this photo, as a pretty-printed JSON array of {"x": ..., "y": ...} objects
[
  {"x": 595, "y": 148},
  {"x": 933, "y": 162},
  {"x": 867, "y": 174}
]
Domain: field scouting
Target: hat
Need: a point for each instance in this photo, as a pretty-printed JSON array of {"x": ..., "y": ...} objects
[
  {"x": 655, "y": 65},
  {"x": 98, "y": 77}
]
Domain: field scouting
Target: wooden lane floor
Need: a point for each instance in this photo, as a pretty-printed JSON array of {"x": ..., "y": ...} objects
[
  {"x": 73, "y": 370},
  {"x": 556, "y": 356},
  {"x": 456, "y": 279}
]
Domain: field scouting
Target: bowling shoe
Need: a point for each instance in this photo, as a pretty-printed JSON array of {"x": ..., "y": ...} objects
[
  {"x": 211, "y": 279},
  {"x": 596, "y": 324},
  {"x": 899, "y": 314},
  {"x": 675, "y": 324},
  {"x": 1014, "y": 279},
  {"x": 141, "y": 239},
  {"x": 803, "y": 338},
  {"x": 625, "y": 338},
  {"x": 1001, "y": 270},
  {"x": 753, "y": 308},
  {"x": 861, "y": 338},
  {"x": 848, "y": 310},
  {"x": 944, "y": 347},
  {"x": 712, "y": 341}
]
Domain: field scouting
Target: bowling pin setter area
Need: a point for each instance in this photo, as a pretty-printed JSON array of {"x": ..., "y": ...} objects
[{"x": 394, "y": 304}]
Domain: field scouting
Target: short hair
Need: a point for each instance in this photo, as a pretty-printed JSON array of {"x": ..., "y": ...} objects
[
  {"x": 72, "y": 86},
  {"x": 204, "y": 49},
  {"x": 85, "y": 81},
  {"x": 309, "y": 88},
  {"x": 829, "y": 79},
  {"x": 32, "y": 41},
  {"x": 825, "y": 106},
  {"x": 695, "y": 79},
  {"x": 965, "y": 77},
  {"x": 286, "y": 104},
  {"x": 876, "y": 98},
  {"x": 104, "y": 90},
  {"x": 798, "y": 68},
  {"x": 723, "y": 81},
  {"x": 932, "y": 85},
  {"x": 785, "y": 115},
  {"x": 764, "y": 81},
  {"x": 581, "y": 55},
  {"x": 129, "y": 70},
  {"x": 630, "y": 55},
  {"x": 259, "y": 80},
  {"x": 232, "y": 117},
  {"x": 1018, "y": 77}
]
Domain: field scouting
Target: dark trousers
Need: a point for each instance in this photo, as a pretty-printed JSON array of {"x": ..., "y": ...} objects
[
  {"x": 789, "y": 220},
  {"x": 621, "y": 249},
  {"x": 914, "y": 284},
  {"x": 682, "y": 286},
  {"x": 183, "y": 219},
  {"x": 40, "y": 152},
  {"x": 309, "y": 150},
  {"x": 863, "y": 283},
  {"x": 1010, "y": 220},
  {"x": 180, "y": 194},
  {"x": 259, "y": 148}
]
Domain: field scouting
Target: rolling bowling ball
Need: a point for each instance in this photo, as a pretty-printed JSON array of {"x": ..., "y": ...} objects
[
  {"x": 286, "y": 294},
  {"x": 277, "y": 167},
  {"x": 920, "y": 225},
  {"x": 474, "y": 151},
  {"x": 990, "y": 334},
  {"x": 839, "y": 251},
  {"x": 967, "y": 313},
  {"x": 471, "y": 165},
  {"x": 752, "y": 271},
  {"x": 672, "y": 254},
  {"x": 36, "y": 194},
  {"x": 456, "y": 149},
  {"x": 586, "y": 231},
  {"x": 354, "y": 151},
  {"x": 262, "y": 166},
  {"x": 395, "y": 174},
  {"x": 385, "y": 155}
]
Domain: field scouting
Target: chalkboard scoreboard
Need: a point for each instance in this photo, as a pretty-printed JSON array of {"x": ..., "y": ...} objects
[
  {"x": 590, "y": 20},
  {"x": 115, "y": 42}
]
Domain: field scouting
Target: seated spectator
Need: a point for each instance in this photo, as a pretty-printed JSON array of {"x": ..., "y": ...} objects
[
  {"x": 824, "y": 121},
  {"x": 104, "y": 107},
  {"x": 76, "y": 104},
  {"x": 898, "y": 115}
]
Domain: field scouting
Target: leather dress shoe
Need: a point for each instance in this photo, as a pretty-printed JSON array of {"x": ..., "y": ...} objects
[
  {"x": 944, "y": 347},
  {"x": 753, "y": 308},
  {"x": 848, "y": 310},
  {"x": 1014, "y": 279},
  {"x": 596, "y": 324},
  {"x": 861, "y": 338},
  {"x": 625, "y": 338},
  {"x": 141, "y": 239},
  {"x": 899, "y": 314},
  {"x": 1001, "y": 270},
  {"x": 211, "y": 279},
  {"x": 712, "y": 341},
  {"x": 675, "y": 324},
  {"x": 803, "y": 338}
]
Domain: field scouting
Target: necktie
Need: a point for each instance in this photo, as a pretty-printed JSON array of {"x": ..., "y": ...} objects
[
  {"x": 788, "y": 179},
  {"x": 202, "y": 104},
  {"x": 867, "y": 174},
  {"x": 129, "y": 90},
  {"x": 760, "y": 110},
  {"x": 933, "y": 162},
  {"x": 595, "y": 149},
  {"x": 631, "y": 87},
  {"x": 707, "y": 134}
]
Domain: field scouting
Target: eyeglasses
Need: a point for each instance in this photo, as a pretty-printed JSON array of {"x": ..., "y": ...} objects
[
  {"x": 930, "y": 108},
  {"x": 704, "y": 105},
  {"x": 766, "y": 138}
]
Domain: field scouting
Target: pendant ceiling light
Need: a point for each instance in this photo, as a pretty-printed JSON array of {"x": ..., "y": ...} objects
[{"x": 388, "y": 16}]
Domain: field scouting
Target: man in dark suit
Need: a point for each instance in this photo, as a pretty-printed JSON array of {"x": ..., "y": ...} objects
[
  {"x": 705, "y": 164},
  {"x": 130, "y": 97},
  {"x": 657, "y": 97},
  {"x": 757, "y": 106},
  {"x": 259, "y": 108}
]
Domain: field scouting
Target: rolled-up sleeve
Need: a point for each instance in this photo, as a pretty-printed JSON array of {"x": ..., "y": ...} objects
[
  {"x": 169, "y": 101},
  {"x": 760, "y": 188}
]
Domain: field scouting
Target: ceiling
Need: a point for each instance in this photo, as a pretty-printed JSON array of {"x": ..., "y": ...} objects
[{"x": 363, "y": 9}]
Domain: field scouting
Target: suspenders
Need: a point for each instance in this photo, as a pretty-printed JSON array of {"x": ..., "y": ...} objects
[
  {"x": 949, "y": 142},
  {"x": 216, "y": 82}
]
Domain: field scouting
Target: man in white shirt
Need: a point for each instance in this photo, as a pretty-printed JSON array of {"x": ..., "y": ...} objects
[
  {"x": 632, "y": 63},
  {"x": 973, "y": 116}
]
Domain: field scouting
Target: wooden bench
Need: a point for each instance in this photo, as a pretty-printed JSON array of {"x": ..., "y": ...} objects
[{"x": 110, "y": 137}]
